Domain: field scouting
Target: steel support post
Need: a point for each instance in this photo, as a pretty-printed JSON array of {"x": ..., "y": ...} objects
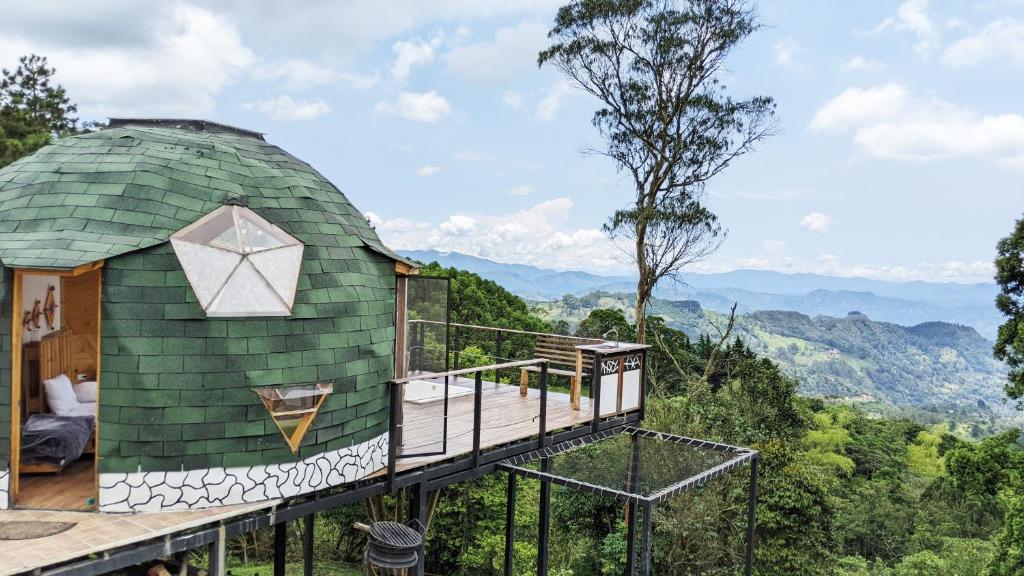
[
  {"x": 420, "y": 497},
  {"x": 752, "y": 515},
  {"x": 510, "y": 523},
  {"x": 648, "y": 536},
  {"x": 218, "y": 554},
  {"x": 544, "y": 526},
  {"x": 280, "y": 547},
  {"x": 307, "y": 545}
]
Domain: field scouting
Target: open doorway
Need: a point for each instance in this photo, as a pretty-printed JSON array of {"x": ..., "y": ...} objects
[{"x": 55, "y": 360}]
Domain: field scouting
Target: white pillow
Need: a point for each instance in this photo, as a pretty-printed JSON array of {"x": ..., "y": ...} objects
[
  {"x": 86, "y": 391},
  {"x": 60, "y": 396}
]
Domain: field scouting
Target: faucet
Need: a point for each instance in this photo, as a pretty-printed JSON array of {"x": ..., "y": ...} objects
[{"x": 612, "y": 331}]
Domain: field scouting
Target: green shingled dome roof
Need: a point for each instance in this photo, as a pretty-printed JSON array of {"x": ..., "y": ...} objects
[{"x": 98, "y": 195}]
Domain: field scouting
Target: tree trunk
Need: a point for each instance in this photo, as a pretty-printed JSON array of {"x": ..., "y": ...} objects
[{"x": 641, "y": 316}]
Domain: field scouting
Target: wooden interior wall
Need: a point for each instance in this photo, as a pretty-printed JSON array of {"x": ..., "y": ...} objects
[{"x": 80, "y": 296}]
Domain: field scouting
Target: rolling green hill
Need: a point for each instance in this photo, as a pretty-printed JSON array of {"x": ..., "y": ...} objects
[{"x": 933, "y": 371}]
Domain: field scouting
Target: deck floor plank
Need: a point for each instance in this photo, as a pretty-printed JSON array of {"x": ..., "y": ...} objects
[{"x": 506, "y": 417}]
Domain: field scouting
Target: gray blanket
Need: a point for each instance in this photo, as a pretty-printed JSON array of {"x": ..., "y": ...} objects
[{"x": 55, "y": 439}]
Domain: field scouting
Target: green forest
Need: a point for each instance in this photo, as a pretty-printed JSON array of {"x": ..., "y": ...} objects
[
  {"x": 934, "y": 372},
  {"x": 842, "y": 492}
]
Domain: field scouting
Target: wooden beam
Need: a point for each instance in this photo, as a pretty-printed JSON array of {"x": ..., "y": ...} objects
[
  {"x": 16, "y": 329},
  {"x": 64, "y": 273},
  {"x": 404, "y": 269}
]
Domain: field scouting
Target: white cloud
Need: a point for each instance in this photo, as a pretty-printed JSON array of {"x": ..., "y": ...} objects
[
  {"x": 428, "y": 170},
  {"x": 521, "y": 190},
  {"x": 188, "y": 55},
  {"x": 786, "y": 51},
  {"x": 302, "y": 74},
  {"x": 413, "y": 53},
  {"x": 912, "y": 16},
  {"x": 999, "y": 41},
  {"x": 466, "y": 156},
  {"x": 889, "y": 122},
  {"x": 859, "y": 63},
  {"x": 459, "y": 225},
  {"x": 512, "y": 52},
  {"x": 416, "y": 106},
  {"x": 540, "y": 236},
  {"x": 286, "y": 108},
  {"x": 774, "y": 248},
  {"x": 552, "y": 103},
  {"x": 512, "y": 99},
  {"x": 816, "y": 222}
]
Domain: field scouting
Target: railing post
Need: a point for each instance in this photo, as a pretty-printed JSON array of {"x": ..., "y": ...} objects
[
  {"x": 595, "y": 393},
  {"x": 543, "y": 439},
  {"x": 499, "y": 345},
  {"x": 394, "y": 431},
  {"x": 458, "y": 347},
  {"x": 478, "y": 386},
  {"x": 510, "y": 523}
]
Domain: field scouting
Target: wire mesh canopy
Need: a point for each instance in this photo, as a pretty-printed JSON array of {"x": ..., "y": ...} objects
[{"x": 632, "y": 465}]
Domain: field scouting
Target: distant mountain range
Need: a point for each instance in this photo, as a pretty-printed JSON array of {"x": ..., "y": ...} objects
[
  {"x": 906, "y": 303},
  {"x": 933, "y": 371}
]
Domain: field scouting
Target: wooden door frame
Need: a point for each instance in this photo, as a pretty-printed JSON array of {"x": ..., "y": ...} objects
[{"x": 14, "y": 459}]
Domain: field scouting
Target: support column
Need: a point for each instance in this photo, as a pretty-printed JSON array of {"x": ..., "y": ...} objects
[
  {"x": 420, "y": 497},
  {"x": 752, "y": 515},
  {"x": 545, "y": 521},
  {"x": 218, "y": 554},
  {"x": 631, "y": 539},
  {"x": 307, "y": 545},
  {"x": 510, "y": 523},
  {"x": 648, "y": 536},
  {"x": 280, "y": 547},
  {"x": 634, "y": 482}
]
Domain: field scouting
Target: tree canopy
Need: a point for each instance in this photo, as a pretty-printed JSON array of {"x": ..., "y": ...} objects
[
  {"x": 33, "y": 109},
  {"x": 665, "y": 115},
  {"x": 1010, "y": 301}
]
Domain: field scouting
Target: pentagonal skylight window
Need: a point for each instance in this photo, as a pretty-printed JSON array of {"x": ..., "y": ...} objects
[{"x": 239, "y": 264}]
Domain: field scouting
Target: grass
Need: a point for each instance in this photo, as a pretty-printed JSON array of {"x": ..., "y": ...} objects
[{"x": 320, "y": 568}]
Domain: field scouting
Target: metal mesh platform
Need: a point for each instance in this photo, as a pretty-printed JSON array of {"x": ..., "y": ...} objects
[{"x": 632, "y": 465}]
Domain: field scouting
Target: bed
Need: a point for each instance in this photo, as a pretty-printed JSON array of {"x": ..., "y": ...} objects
[
  {"x": 50, "y": 442},
  {"x": 65, "y": 427}
]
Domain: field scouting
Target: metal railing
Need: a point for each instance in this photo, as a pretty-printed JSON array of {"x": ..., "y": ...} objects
[
  {"x": 396, "y": 423},
  {"x": 596, "y": 424},
  {"x": 507, "y": 344}
]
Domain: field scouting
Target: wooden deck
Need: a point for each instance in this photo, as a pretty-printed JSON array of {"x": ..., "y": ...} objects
[
  {"x": 506, "y": 417},
  {"x": 95, "y": 533}
]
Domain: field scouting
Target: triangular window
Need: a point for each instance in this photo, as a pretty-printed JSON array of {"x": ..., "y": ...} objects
[
  {"x": 293, "y": 408},
  {"x": 239, "y": 264}
]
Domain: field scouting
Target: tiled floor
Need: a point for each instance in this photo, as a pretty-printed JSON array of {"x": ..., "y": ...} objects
[{"x": 96, "y": 532}]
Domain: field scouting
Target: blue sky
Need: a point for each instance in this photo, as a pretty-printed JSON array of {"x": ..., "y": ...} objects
[{"x": 900, "y": 156}]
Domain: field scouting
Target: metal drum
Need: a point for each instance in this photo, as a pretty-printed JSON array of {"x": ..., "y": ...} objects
[{"x": 392, "y": 546}]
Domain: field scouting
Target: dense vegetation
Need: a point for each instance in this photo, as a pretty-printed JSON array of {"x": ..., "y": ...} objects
[
  {"x": 841, "y": 492},
  {"x": 935, "y": 372},
  {"x": 32, "y": 110}
]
